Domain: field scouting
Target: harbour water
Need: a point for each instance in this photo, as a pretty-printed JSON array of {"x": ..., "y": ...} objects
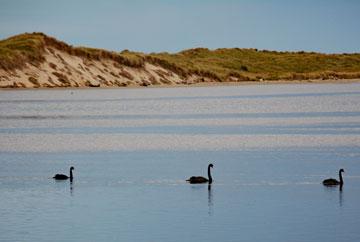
[{"x": 133, "y": 149}]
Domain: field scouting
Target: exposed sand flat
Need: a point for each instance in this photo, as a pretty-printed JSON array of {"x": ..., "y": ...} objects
[
  {"x": 131, "y": 142},
  {"x": 243, "y": 122}
]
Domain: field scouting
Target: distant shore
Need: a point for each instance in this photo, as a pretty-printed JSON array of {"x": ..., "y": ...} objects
[{"x": 39, "y": 61}]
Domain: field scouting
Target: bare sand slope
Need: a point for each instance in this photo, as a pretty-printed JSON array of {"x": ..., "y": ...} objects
[{"x": 61, "y": 69}]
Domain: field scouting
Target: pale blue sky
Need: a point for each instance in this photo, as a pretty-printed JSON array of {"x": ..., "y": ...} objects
[{"x": 330, "y": 26}]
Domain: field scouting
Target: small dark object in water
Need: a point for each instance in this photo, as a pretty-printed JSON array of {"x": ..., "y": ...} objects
[
  {"x": 334, "y": 182},
  {"x": 200, "y": 179},
  {"x": 64, "y": 177}
]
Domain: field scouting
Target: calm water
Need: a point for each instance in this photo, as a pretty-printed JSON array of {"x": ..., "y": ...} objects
[{"x": 132, "y": 149}]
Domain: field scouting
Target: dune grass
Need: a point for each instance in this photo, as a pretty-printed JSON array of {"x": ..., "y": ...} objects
[
  {"x": 21, "y": 49},
  {"x": 251, "y": 64},
  {"x": 30, "y": 48},
  {"x": 219, "y": 65}
]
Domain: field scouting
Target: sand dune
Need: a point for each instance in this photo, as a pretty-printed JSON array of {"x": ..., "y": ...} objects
[
  {"x": 39, "y": 61},
  {"x": 61, "y": 69}
]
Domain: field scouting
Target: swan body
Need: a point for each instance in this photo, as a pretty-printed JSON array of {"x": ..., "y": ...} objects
[
  {"x": 200, "y": 179},
  {"x": 197, "y": 179},
  {"x": 60, "y": 177},
  {"x": 64, "y": 177},
  {"x": 334, "y": 182}
]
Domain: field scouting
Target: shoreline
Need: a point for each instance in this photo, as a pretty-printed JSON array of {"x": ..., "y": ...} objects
[{"x": 200, "y": 84}]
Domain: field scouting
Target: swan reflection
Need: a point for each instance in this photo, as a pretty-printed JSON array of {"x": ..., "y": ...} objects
[
  {"x": 210, "y": 200},
  {"x": 333, "y": 189},
  {"x": 341, "y": 196},
  {"x": 71, "y": 188}
]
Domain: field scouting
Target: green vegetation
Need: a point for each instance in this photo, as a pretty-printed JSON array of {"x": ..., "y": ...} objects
[
  {"x": 21, "y": 49},
  {"x": 220, "y": 64},
  {"x": 251, "y": 64},
  {"x": 18, "y": 50}
]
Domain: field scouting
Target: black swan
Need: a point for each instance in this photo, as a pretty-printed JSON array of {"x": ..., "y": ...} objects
[
  {"x": 64, "y": 177},
  {"x": 200, "y": 179},
  {"x": 334, "y": 182}
]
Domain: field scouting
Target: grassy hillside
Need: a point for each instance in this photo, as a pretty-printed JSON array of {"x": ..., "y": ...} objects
[
  {"x": 21, "y": 49},
  {"x": 251, "y": 64},
  {"x": 29, "y": 48},
  {"x": 219, "y": 65}
]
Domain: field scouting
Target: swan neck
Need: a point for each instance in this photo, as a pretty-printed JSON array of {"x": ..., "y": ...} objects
[
  {"x": 341, "y": 178},
  {"x": 71, "y": 174},
  {"x": 209, "y": 175}
]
